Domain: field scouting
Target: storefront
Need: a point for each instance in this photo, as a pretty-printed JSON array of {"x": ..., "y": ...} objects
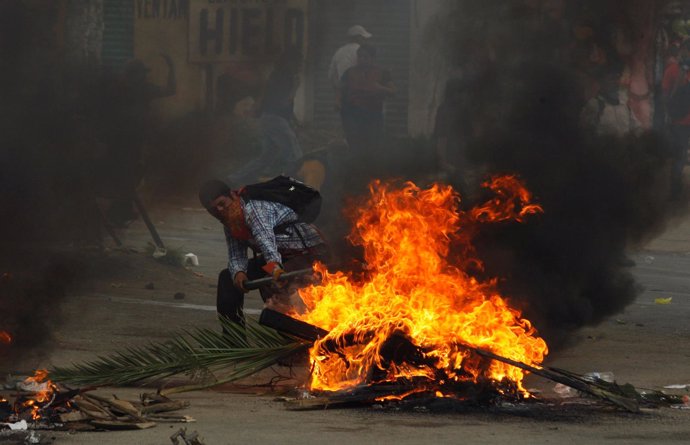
[{"x": 240, "y": 40}]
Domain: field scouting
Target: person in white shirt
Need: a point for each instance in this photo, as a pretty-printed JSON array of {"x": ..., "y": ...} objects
[{"x": 346, "y": 57}]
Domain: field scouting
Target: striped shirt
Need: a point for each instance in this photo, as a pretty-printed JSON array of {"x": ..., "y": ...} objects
[{"x": 262, "y": 217}]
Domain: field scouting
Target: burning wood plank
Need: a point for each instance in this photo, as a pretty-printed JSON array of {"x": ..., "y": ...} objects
[{"x": 283, "y": 323}]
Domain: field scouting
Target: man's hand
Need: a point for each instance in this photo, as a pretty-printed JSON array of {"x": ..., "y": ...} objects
[
  {"x": 239, "y": 280},
  {"x": 275, "y": 270},
  {"x": 277, "y": 273}
]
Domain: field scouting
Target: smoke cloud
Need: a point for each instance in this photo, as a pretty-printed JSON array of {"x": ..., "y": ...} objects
[{"x": 603, "y": 195}]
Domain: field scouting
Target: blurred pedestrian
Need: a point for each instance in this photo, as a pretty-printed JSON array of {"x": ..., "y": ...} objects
[
  {"x": 365, "y": 87},
  {"x": 280, "y": 149},
  {"x": 675, "y": 87},
  {"x": 452, "y": 130},
  {"x": 126, "y": 126},
  {"x": 607, "y": 113},
  {"x": 345, "y": 58}
]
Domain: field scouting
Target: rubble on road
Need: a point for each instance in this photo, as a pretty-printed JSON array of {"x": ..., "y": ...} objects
[{"x": 36, "y": 403}]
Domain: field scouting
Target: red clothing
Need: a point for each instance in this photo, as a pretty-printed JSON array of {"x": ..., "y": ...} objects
[
  {"x": 359, "y": 87},
  {"x": 238, "y": 225},
  {"x": 668, "y": 83}
]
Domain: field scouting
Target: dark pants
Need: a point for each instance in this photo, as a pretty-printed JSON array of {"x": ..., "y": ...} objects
[
  {"x": 230, "y": 300},
  {"x": 363, "y": 130},
  {"x": 679, "y": 135}
]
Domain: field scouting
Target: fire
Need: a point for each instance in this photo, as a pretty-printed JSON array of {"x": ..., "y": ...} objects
[
  {"x": 44, "y": 390},
  {"x": 416, "y": 303},
  {"x": 5, "y": 337}
]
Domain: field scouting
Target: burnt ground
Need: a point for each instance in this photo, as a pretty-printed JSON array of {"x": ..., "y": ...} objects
[{"x": 123, "y": 297}]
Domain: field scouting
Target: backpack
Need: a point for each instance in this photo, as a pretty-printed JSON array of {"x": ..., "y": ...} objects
[{"x": 301, "y": 198}]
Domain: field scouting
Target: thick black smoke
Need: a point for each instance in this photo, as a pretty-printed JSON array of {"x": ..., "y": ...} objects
[
  {"x": 603, "y": 196},
  {"x": 30, "y": 296},
  {"x": 52, "y": 121},
  {"x": 43, "y": 173}
]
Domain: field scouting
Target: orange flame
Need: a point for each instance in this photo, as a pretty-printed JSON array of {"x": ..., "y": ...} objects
[
  {"x": 5, "y": 337},
  {"x": 412, "y": 291},
  {"x": 512, "y": 201},
  {"x": 45, "y": 394}
]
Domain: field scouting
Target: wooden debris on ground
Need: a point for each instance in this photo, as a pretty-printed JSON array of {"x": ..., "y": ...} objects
[{"x": 83, "y": 410}]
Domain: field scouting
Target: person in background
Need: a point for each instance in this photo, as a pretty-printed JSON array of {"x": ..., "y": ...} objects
[
  {"x": 345, "y": 58},
  {"x": 126, "y": 123},
  {"x": 365, "y": 87},
  {"x": 231, "y": 134},
  {"x": 452, "y": 131},
  {"x": 280, "y": 150},
  {"x": 675, "y": 87},
  {"x": 607, "y": 113},
  {"x": 268, "y": 228}
]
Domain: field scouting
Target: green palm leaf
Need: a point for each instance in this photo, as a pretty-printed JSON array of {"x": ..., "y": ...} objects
[{"x": 207, "y": 356}]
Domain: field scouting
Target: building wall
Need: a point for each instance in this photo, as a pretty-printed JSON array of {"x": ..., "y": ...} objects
[
  {"x": 174, "y": 27},
  {"x": 209, "y": 38},
  {"x": 161, "y": 27},
  {"x": 400, "y": 28}
]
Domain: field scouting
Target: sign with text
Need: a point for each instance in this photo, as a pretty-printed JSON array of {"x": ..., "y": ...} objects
[
  {"x": 232, "y": 30},
  {"x": 161, "y": 9}
]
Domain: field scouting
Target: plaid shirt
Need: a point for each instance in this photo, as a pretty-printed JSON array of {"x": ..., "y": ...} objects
[{"x": 262, "y": 217}]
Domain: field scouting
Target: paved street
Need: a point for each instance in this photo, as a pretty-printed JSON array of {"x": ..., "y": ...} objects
[{"x": 647, "y": 345}]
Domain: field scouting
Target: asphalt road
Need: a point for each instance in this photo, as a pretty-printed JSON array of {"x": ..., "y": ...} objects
[{"x": 648, "y": 345}]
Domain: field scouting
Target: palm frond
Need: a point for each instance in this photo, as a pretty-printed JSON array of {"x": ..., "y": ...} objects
[{"x": 226, "y": 356}]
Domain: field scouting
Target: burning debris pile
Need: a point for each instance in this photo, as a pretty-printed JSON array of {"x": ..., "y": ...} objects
[
  {"x": 417, "y": 324},
  {"x": 416, "y": 314},
  {"x": 37, "y": 403}
]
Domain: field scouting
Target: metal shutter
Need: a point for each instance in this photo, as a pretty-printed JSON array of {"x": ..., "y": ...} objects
[{"x": 118, "y": 33}]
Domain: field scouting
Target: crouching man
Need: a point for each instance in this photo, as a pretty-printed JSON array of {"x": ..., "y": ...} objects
[{"x": 269, "y": 229}]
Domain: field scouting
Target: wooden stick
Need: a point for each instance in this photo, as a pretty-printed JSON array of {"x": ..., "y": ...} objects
[
  {"x": 267, "y": 281},
  {"x": 626, "y": 403},
  {"x": 118, "y": 405},
  {"x": 149, "y": 225},
  {"x": 164, "y": 407}
]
